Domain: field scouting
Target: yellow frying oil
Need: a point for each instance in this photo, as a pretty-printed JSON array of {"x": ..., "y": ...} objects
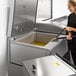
[{"x": 39, "y": 43}]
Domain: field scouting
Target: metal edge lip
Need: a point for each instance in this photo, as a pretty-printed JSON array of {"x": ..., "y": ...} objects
[{"x": 30, "y": 45}]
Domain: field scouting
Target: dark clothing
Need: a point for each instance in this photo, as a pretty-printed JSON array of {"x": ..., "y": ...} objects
[
  {"x": 72, "y": 43},
  {"x": 72, "y": 21}
]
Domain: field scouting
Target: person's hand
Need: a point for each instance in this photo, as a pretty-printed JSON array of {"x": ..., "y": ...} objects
[
  {"x": 69, "y": 36},
  {"x": 68, "y": 28}
]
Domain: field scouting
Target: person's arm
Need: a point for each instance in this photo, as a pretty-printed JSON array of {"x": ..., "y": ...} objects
[
  {"x": 73, "y": 29},
  {"x": 70, "y": 29}
]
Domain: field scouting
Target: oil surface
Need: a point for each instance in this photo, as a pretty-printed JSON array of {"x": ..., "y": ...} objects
[{"x": 39, "y": 43}]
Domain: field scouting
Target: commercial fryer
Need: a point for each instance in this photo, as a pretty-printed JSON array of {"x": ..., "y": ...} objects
[{"x": 25, "y": 42}]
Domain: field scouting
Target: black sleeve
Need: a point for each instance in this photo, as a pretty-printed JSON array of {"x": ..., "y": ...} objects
[{"x": 68, "y": 23}]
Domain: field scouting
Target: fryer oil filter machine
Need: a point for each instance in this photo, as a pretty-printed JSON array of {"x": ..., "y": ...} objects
[
  {"x": 24, "y": 40},
  {"x": 47, "y": 66}
]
